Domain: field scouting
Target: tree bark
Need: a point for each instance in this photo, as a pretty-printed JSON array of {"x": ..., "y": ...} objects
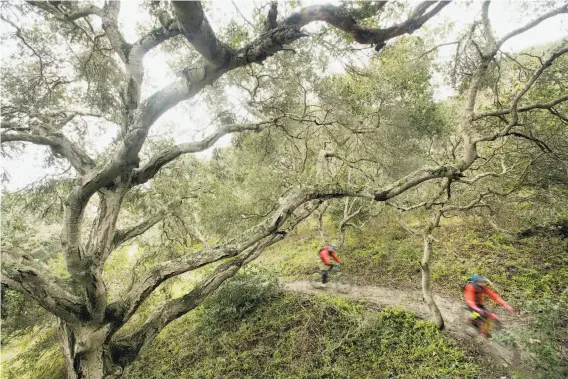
[
  {"x": 321, "y": 226},
  {"x": 84, "y": 352},
  {"x": 341, "y": 235},
  {"x": 435, "y": 314}
]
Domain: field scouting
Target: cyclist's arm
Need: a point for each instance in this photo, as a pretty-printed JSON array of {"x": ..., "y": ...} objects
[
  {"x": 496, "y": 298},
  {"x": 335, "y": 257}
]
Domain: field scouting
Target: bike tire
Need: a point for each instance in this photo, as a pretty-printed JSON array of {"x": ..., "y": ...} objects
[
  {"x": 342, "y": 283},
  {"x": 315, "y": 279}
]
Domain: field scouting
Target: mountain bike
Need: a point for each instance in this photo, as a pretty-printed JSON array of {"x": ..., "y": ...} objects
[
  {"x": 337, "y": 280},
  {"x": 485, "y": 324}
]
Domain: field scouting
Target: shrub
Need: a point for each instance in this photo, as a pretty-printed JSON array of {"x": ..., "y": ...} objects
[{"x": 239, "y": 296}]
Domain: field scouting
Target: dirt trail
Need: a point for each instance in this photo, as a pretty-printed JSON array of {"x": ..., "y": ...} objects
[{"x": 453, "y": 313}]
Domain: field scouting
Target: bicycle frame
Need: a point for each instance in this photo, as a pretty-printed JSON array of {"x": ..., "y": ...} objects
[{"x": 485, "y": 325}]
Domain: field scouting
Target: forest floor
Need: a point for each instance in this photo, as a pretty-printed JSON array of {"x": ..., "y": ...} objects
[{"x": 453, "y": 312}]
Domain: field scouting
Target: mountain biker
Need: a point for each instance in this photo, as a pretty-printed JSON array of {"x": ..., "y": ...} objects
[
  {"x": 474, "y": 293},
  {"x": 325, "y": 253}
]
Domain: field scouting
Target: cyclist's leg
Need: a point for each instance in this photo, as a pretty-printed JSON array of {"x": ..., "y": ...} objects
[
  {"x": 324, "y": 269},
  {"x": 484, "y": 323},
  {"x": 476, "y": 319},
  {"x": 328, "y": 272}
]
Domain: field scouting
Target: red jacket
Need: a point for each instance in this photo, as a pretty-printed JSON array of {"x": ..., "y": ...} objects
[
  {"x": 475, "y": 296},
  {"x": 324, "y": 254}
]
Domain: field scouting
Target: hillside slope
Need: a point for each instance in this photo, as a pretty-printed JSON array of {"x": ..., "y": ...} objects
[{"x": 299, "y": 336}]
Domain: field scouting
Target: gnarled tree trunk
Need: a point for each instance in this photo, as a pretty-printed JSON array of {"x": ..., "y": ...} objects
[
  {"x": 435, "y": 314},
  {"x": 85, "y": 350}
]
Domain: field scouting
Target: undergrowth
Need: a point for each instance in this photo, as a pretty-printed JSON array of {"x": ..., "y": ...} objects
[{"x": 294, "y": 336}]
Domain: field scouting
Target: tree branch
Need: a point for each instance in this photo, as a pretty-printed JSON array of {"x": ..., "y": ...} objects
[
  {"x": 160, "y": 272},
  {"x": 58, "y": 143},
  {"x": 18, "y": 34},
  {"x": 541, "y": 144},
  {"x": 109, "y": 15},
  {"x": 432, "y": 49},
  {"x": 121, "y": 236},
  {"x": 180, "y": 306},
  {"x": 514, "y": 111},
  {"x": 497, "y": 228},
  {"x": 475, "y": 203},
  {"x": 32, "y": 283},
  {"x": 344, "y": 21},
  {"x": 532, "y": 24},
  {"x": 151, "y": 168},
  {"x": 73, "y": 15},
  {"x": 522, "y": 109},
  {"x": 487, "y": 31},
  {"x": 241, "y": 14},
  {"x": 405, "y": 226},
  {"x": 158, "y": 35},
  {"x": 135, "y": 56},
  {"x": 204, "y": 72},
  {"x": 196, "y": 28},
  {"x": 128, "y": 347}
]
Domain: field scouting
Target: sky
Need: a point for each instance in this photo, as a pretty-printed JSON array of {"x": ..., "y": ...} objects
[{"x": 189, "y": 123}]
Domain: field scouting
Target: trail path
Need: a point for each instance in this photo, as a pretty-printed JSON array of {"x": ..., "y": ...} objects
[{"x": 452, "y": 310}]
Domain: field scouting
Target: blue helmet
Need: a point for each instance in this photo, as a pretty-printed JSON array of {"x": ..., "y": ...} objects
[
  {"x": 476, "y": 278},
  {"x": 332, "y": 248}
]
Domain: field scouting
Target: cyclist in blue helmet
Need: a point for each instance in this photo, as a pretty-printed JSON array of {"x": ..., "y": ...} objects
[{"x": 474, "y": 294}]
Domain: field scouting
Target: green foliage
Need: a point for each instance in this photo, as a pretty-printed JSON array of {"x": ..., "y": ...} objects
[
  {"x": 380, "y": 122},
  {"x": 292, "y": 336},
  {"x": 239, "y": 297},
  {"x": 38, "y": 355},
  {"x": 295, "y": 256},
  {"x": 527, "y": 268},
  {"x": 545, "y": 335},
  {"x": 236, "y": 35},
  {"x": 21, "y": 317},
  {"x": 384, "y": 254}
]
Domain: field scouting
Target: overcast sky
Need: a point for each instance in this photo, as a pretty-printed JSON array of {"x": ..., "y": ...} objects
[{"x": 505, "y": 16}]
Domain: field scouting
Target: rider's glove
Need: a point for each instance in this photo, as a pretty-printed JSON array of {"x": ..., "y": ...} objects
[{"x": 508, "y": 307}]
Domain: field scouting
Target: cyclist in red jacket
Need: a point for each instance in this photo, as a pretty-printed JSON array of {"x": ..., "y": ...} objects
[
  {"x": 474, "y": 293},
  {"x": 325, "y": 253}
]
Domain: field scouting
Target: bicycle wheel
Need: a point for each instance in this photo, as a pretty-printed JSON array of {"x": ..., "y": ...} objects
[
  {"x": 315, "y": 279},
  {"x": 342, "y": 282},
  {"x": 489, "y": 327}
]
